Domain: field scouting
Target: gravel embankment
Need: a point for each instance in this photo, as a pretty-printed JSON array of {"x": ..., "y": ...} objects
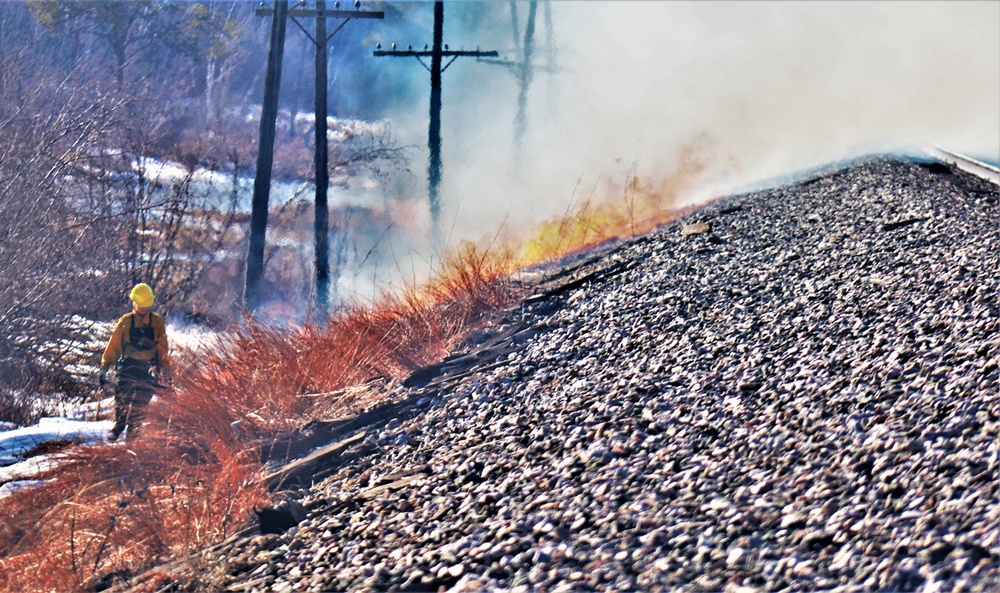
[{"x": 803, "y": 397}]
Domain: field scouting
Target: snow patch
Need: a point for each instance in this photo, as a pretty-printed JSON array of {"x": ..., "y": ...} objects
[{"x": 14, "y": 443}]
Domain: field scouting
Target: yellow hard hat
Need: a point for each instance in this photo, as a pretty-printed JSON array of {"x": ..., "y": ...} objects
[{"x": 142, "y": 296}]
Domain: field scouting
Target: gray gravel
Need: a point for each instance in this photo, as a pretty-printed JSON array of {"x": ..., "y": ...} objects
[{"x": 801, "y": 393}]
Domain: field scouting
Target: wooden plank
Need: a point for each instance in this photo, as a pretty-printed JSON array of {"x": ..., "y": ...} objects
[{"x": 308, "y": 463}]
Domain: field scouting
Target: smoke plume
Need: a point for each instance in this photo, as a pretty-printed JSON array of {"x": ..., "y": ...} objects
[{"x": 758, "y": 90}]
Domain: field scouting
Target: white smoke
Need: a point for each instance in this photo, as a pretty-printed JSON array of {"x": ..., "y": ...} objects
[{"x": 767, "y": 88}]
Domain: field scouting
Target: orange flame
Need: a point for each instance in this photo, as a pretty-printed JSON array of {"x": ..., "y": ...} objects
[{"x": 640, "y": 206}]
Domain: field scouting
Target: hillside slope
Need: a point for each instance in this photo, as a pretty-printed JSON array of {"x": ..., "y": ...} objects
[{"x": 791, "y": 388}]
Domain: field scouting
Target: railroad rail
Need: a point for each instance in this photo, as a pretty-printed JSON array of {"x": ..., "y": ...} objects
[{"x": 966, "y": 163}]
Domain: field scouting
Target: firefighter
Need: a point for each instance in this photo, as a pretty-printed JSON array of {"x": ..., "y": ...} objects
[{"x": 139, "y": 351}]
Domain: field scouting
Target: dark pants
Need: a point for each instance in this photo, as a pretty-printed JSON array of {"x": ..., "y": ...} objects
[{"x": 134, "y": 391}]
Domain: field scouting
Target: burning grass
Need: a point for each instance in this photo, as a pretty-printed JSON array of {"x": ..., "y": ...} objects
[
  {"x": 638, "y": 207},
  {"x": 194, "y": 475}
]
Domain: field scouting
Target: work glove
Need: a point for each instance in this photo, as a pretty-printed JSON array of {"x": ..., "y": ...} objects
[{"x": 102, "y": 377}]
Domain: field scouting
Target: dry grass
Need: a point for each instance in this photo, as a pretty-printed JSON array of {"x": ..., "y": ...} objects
[
  {"x": 257, "y": 373},
  {"x": 112, "y": 509},
  {"x": 194, "y": 475},
  {"x": 616, "y": 212}
]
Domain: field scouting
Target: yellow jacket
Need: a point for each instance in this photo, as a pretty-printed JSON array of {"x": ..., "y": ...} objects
[{"x": 119, "y": 342}]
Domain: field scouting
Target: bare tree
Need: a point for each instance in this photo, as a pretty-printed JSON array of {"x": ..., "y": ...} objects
[
  {"x": 87, "y": 209},
  {"x": 45, "y": 249},
  {"x": 365, "y": 150},
  {"x": 124, "y": 27},
  {"x": 210, "y": 37}
]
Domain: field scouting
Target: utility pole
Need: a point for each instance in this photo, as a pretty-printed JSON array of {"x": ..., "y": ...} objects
[
  {"x": 321, "y": 157},
  {"x": 524, "y": 70},
  {"x": 265, "y": 159},
  {"x": 524, "y": 80},
  {"x": 437, "y": 53}
]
